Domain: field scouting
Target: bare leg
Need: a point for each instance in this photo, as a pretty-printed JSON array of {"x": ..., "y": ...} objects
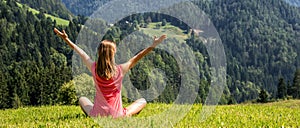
[
  {"x": 136, "y": 107},
  {"x": 86, "y": 105}
]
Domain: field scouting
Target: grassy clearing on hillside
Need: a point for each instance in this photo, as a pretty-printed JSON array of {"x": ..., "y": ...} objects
[
  {"x": 279, "y": 114},
  {"x": 168, "y": 29},
  {"x": 58, "y": 20}
]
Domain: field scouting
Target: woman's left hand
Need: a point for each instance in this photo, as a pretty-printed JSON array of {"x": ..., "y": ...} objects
[{"x": 157, "y": 41}]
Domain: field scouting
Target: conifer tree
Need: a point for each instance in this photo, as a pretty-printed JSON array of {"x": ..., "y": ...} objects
[
  {"x": 282, "y": 89},
  {"x": 296, "y": 85},
  {"x": 263, "y": 96}
]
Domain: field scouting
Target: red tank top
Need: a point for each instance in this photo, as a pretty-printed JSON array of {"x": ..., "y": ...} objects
[{"x": 108, "y": 100}]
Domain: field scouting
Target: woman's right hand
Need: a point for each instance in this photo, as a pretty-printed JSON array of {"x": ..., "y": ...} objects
[
  {"x": 62, "y": 34},
  {"x": 157, "y": 41}
]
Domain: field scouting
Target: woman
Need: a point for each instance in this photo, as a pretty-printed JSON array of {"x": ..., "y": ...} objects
[{"x": 108, "y": 79}]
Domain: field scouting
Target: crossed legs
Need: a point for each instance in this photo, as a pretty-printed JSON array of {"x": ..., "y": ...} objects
[{"x": 134, "y": 108}]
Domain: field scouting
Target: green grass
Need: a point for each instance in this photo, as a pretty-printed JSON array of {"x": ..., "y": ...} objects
[
  {"x": 168, "y": 29},
  {"x": 58, "y": 20},
  {"x": 278, "y": 114}
]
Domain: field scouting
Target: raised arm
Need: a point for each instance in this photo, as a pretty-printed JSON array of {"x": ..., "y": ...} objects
[
  {"x": 132, "y": 62},
  {"x": 85, "y": 58}
]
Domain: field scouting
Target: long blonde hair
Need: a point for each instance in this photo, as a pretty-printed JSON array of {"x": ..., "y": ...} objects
[{"x": 105, "y": 66}]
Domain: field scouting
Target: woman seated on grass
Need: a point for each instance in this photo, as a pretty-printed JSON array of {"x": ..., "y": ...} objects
[{"x": 108, "y": 78}]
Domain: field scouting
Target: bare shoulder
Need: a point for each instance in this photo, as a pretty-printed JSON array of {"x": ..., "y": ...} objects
[{"x": 125, "y": 68}]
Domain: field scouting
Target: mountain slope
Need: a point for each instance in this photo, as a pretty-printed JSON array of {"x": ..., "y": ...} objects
[
  {"x": 58, "y": 20},
  {"x": 261, "y": 41},
  {"x": 53, "y": 7},
  {"x": 83, "y": 7},
  {"x": 34, "y": 62}
]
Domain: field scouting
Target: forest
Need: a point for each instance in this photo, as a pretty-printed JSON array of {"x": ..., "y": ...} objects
[
  {"x": 34, "y": 63},
  {"x": 260, "y": 37},
  {"x": 52, "y": 7}
]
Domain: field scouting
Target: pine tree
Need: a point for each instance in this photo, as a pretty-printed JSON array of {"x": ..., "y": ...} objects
[
  {"x": 263, "y": 96},
  {"x": 289, "y": 89},
  {"x": 296, "y": 85},
  {"x": 282, "y": 89},
  {"x": 4, "y": 91}
]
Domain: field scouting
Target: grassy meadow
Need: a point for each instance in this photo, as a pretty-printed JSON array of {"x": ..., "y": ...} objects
[
  {"x": 278, "y": 114},
  {"x": 168, "y": 29},
  {"x": 58, "y": 20}
]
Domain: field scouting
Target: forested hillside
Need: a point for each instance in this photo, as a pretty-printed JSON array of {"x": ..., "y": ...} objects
[
  {"x": 261, "y": 39},
  {"x": 34, "y": 63},
  {"x": 53, "y": 7}
]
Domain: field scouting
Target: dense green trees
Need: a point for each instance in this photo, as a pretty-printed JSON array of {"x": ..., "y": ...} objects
[
  {"x": 295, "y": 88},
  {"x": 288, "y": 91},
  {"x": 34, "y": 64},
  {"x": 263, "y": 96},
  {"x": 282, "y": 89},
  {"x": 53, "y": 7},
  {"x": 260, "y": 39}
]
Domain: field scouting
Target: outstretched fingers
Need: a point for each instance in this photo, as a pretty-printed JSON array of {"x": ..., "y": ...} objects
[
  {"x": 57, "y": 31},
  {"x": 62, "y": 34}
]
